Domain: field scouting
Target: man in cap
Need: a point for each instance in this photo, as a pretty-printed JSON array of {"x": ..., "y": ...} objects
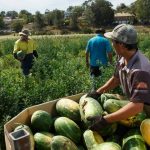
[
  {"x": 132, "y": 72},
  {"x": 26, "y": 46},
  {"x": 98, "y": 52}
]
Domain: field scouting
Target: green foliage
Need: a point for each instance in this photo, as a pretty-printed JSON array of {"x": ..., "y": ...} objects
[
  {"x": 17, "y": 26},
  {"x": 27, "y": 16},
  {"x": 103, "y": 12},
  {"x": 143, "y": 10},
  {"x": 2, "y": 24},
  {"x": 59, "y": 71},
  {"x": 39, "y": 20},
  {"x": 6, "y": 48}
]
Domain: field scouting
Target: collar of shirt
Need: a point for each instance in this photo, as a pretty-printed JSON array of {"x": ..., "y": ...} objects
[
  {"x": 130, "y": 63},
  {"x": 99, "y": 35}
]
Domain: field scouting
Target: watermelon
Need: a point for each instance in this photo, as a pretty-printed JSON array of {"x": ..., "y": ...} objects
[
  {"x": 21, "y": 55},
  {"x": 27, "y": 128},
  {"x": 68, "y": 108},
  {"x": 92, "y": 138},
  {"x": 43, "y": 140},
  {"x": 133, "y": 140},
  {"x": 41, "y": 121},
  {"x": 80, "y": 147},
  {"x": 114, "y": 138},
  {"x": 145, "y": 130},
  {"x": 62, "y": 143},
  {"x": 107, "y": 146},
  {"x": 89, "y": 107},
  {"x": 109, "y": 129},
  {"x": 106, "y": 96},
  {"x": 67, "y": 127},
  {"x": 112, "y": 105}
]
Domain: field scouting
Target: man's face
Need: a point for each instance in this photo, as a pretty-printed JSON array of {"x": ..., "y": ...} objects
[
  {"x": 118, "y": 47},
  {"x": 24, "y": 37}
]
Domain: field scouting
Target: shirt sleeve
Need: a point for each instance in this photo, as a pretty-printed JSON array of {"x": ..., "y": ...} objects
[
  {"x": 16, "y": 47},
  {"x": 108, "y": 46},
  {"x": 140, "y": 84}
]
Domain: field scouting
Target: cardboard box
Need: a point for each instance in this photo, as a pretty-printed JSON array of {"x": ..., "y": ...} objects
[{"x": 24, "y": 117}]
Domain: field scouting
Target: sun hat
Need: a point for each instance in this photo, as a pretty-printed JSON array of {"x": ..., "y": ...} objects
[
  {"x": 124, "y": 33},
  {"x": 24, "y": 32}
]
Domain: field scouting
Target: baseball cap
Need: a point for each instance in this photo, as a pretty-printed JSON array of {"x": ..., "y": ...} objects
[
  {"x": 124, "y": 33},
  {"x": 24, "y": 32}
]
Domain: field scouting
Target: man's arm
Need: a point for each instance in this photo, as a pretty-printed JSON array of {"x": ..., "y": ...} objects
[
  {"x": 110, "y": 57},
  {"x": 109, "y": 85},
  {"x": 125, "y": 112},
  {"x": 87, "y": 59},
  {"x": 35, "y": 53},
  {"x": 112, "y": 83}
]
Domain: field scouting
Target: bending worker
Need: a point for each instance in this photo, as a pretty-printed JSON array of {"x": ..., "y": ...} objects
[{"x": 132, "y": 72}]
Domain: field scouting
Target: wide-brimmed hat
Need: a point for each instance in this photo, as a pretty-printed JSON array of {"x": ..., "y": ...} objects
[
  {"x": 24, "y": 32},
  {"x": 124, "y": 33}
]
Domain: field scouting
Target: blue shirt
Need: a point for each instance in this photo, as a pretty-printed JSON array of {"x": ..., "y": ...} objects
[{"x": 98, "y": 47}]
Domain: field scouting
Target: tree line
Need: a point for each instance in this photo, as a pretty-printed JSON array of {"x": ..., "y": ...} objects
[{"x": 92, "y": 13}]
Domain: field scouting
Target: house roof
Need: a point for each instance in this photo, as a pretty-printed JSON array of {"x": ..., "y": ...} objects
[{"x": 123, "y": 14}]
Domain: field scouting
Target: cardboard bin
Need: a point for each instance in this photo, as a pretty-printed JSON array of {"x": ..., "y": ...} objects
[{"x": 24, "y": 117}]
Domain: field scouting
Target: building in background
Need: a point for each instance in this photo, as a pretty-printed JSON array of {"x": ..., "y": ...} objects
[{"x": 124, "y": 17}]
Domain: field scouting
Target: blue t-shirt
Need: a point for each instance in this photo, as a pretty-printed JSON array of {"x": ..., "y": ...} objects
[{"x": 98, "y": 47}]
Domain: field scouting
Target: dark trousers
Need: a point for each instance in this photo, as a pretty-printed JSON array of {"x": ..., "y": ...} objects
[
  {"x": 95, "y": 71},
  {"x": 27, "y": 63},
  {"x": 95, "y": 74}
]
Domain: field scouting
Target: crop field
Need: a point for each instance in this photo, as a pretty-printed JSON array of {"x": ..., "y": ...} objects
[{"x": 59, "y": 71}]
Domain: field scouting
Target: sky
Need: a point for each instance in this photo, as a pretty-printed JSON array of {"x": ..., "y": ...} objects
[{"x": 41, "y": 5}]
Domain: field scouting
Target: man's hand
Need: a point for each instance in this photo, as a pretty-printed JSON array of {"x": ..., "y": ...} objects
[
  {"x": 94, "y": 95},
  {"x": 98, "y": 123}
]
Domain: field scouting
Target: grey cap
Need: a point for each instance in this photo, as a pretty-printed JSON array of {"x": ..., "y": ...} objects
[{"x": 124, "y": 33}]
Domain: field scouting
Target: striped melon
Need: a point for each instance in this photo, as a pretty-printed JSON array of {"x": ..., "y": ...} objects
[
  {"x": 145, "y": 130},
  {"x": 62, "y": 143},
  {"x": 68, "y": 108},
  {"x": 107, "y": 146},
  {"x": 89, "y": 107},
  {"x": 67, "y": 127},
  {"x": 92, "y": 138},
  {"x": 43, "y": 140}
]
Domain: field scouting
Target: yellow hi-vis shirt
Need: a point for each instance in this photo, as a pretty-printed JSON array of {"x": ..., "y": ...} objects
[{"x": 26, "y": 47}]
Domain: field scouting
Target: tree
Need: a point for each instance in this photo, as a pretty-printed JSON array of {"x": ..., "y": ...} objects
[
  {"x": 39, "y": 20},
  {"x": 12, "y": 14},
  {"x": 17, "y": 26},
  {"x": 58, "y": 17},
  {"x": 27, "y": 16},
  {"x": 49, "y": 18},
  {"x": 2, "y": 13},
  {"x": 74, "y": 13},
  {"x": 103, "y": 12},
  {"x": 2, "y": 24},
  {"x": 122, "y": 8},
  {"x": 88, "y": 16},
  {"x": 143, "y": 10}
]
